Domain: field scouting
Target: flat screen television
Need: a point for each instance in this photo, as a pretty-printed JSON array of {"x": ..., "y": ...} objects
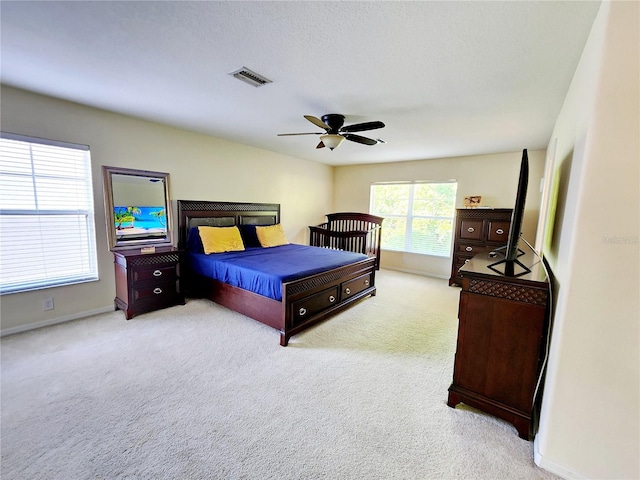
[
  {"x": 518, "y": 210},
  {"x": 509, "y": 265}
]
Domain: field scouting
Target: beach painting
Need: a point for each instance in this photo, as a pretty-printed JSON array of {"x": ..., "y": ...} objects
[{"x": 140, "y": 222}]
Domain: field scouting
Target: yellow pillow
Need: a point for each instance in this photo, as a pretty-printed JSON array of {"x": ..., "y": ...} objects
[
  {"x": 271, "y": 236},
  {"x": 220, "y": 239}
]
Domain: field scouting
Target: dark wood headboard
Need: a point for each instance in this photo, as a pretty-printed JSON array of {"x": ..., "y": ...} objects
[{"x": 193, "y": 213}]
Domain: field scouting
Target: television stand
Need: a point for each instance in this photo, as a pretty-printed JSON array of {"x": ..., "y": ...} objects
[{"x": 509, "y": 268}]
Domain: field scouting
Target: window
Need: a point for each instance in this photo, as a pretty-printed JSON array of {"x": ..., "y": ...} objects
[
  {"x": 418, "y": 215},
  {"x": 47, "y": 235}
]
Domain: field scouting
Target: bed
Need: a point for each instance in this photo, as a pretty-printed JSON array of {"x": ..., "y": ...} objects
[{"x": 300, "y": 300}]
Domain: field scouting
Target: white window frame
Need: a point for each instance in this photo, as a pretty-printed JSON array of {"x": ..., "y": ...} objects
[
  {"x": 410, "y": 216},
  {"x": 44, "y": 258}
]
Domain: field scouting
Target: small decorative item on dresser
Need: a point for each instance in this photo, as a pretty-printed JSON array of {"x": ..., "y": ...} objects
[{"x": 472, "y": 201}]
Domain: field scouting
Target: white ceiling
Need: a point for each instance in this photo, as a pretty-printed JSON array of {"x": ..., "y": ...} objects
[{"x": 447, "y": 78}]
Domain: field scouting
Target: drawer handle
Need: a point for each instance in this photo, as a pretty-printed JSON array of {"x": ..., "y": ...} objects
[
  {"x": 499, "y": 231},
  {"x": 471, "y": 229},
  {"x": 302, "y": 311},
  {"x": 347, "y": 291},
  {"x": 332, "y": 299},
  {"x": 366, "y": 282},
  {"x": 469, "y": 249},
  {"x": 157, "y": 273},
  {"x": 157, "y": 290}
]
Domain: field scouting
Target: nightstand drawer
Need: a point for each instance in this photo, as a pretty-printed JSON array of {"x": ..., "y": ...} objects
[
  {"x": 160, "y": 273},
  {"x": 160, "y": 291}
]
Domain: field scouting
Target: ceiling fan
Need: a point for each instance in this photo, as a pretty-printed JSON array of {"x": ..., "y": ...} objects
[{"x": 335, "y": 131}]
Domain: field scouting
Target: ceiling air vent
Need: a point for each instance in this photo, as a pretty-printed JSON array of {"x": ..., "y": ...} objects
[{"x": 250, "y": 77}]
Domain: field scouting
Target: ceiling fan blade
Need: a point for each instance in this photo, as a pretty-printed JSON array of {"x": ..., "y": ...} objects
[
  {"x": 289, "y": 134},
  {"x": 318, "y": 122},
  {"x": 360, "y": 139},
  {"x": 361, "y": 127},
  {"x": 320, "y": 145}
]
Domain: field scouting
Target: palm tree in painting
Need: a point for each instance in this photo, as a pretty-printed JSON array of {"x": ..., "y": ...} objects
[
  {"x": 125, "y": 215},
  {"x": 160, "y": 215}
]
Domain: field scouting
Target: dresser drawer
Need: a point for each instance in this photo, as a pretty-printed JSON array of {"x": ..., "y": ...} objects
[
  {"x": 460, "y": 260},
  {"x": 356, "y": 285},
  {"x": 471, "y": 229},
  {"x": 157, "y": 273},
  {"x": 471, "y": 249},
  {"x": 498, "y": 231},
  {"x": 309, "y": 306}
]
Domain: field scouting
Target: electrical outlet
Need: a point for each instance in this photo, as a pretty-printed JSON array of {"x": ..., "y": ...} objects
[{"x": 47, "y": 303}]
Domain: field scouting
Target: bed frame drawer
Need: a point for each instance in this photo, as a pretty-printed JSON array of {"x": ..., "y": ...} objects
[
  {"x": 307, "y": 307},
  {"x": 356, "y": 285}
]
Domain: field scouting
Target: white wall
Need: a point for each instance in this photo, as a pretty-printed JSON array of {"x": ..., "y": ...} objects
[
  {"x": 201, "y": 168},
  {"x": 494, "y": 177},
  {"x": 590, "y": 420}
]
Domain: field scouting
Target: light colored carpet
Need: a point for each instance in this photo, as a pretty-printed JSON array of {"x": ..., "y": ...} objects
[{"x": 199, "y": 392}]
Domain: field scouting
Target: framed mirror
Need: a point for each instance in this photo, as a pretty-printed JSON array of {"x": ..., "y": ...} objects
[{"x": 138, "y": 208}]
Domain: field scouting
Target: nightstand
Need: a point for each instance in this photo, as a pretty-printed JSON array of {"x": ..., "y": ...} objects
[{"x": 147, "y": 281}]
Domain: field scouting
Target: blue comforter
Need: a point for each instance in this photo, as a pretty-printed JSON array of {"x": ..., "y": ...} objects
[{"x": 263, "y": 270}]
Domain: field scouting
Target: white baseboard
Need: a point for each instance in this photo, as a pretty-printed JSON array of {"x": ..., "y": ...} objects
[
  {"x": 54, "y": 321},
  {"x": 554, "y": 467}
]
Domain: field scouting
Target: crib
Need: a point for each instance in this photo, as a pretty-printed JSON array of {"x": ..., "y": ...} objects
[{"x": 354, "y": 232}]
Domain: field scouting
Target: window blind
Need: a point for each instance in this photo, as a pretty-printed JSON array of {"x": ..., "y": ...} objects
[
  {"x": 47, "y": 233},
  {"x": 418, "y": 215}
]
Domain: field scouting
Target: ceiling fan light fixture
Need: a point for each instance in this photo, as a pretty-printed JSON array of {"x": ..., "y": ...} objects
[{"x": 331, "y": 140}]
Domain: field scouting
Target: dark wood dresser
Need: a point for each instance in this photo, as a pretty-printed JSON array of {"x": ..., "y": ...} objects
[
  {"x": 478, "y": 230},
  {"x": 502, "y": 334},
  {"x": 147, "y": 281}
]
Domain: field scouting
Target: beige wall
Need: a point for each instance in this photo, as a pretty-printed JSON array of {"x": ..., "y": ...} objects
[
  {"x": 201, "y": 168},
  {"x": 590, "y": 421},
  {"x": 495, "y": 177}
]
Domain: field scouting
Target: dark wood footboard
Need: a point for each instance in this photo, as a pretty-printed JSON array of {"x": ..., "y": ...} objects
[
  {"x": 312, "y": 299},
  {"x": 305, "y": 302}
]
